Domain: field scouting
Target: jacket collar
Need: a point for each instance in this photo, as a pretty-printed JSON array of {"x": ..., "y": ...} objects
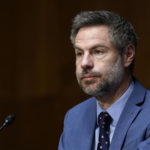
[{"x": 131, "y": 110}]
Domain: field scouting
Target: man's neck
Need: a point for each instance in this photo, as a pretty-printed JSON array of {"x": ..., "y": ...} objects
[{"x": 108, "y": 99}]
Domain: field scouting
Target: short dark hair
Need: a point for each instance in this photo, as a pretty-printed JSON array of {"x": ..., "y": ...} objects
[{"x": 122, "y": 32}]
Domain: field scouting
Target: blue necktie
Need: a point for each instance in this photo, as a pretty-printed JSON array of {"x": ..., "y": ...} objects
[{"x": 104, "y": 121}]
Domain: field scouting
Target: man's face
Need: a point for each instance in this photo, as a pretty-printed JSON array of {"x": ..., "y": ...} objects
[{"x": 99, "y": 67}]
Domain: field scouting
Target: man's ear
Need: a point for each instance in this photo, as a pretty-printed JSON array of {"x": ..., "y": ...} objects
[{"x": 128, "y": 55}]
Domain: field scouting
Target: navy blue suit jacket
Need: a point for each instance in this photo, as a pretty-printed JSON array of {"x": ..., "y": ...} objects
[{"x": 132, "y": 131}]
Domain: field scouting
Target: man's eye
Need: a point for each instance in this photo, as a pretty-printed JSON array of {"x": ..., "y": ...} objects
[
  {"x": 79, "y": 53},
  {"x": 98, "y": 52}
]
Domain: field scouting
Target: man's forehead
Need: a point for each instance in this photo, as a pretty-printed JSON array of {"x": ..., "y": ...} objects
[
  {"x": 92, "y": 32},
  {"x": 92, "y": 36}
]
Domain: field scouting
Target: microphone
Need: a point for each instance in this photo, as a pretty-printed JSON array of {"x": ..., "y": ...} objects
[{"x": 8, "y": 120}]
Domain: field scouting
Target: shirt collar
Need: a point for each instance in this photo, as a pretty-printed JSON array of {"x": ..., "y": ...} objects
[{"x": 115, "y": 109}]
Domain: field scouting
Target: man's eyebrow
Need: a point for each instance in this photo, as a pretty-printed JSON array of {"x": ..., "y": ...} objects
[
  {"x": 101, "y": 46},
  {"x": 94, "y": 47},
  {"x": 77, "y": 48}
]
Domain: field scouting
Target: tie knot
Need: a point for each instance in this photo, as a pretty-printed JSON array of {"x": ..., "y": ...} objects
[{"x": 104, "y": 119}]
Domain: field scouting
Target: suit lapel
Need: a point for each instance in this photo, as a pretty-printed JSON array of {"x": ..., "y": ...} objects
[
  {"x": 128, "y": 115},
  {"x": 87, "y": 127}
]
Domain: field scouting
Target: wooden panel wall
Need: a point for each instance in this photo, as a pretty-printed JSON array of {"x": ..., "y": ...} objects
[{"x": 37, "y": 80}]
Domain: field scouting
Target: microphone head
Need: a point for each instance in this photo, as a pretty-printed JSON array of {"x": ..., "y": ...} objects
[{"x": 9, "y": 119}]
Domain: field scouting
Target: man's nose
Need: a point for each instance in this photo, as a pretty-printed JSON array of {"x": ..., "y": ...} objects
[{"x": 87, "y": 62}]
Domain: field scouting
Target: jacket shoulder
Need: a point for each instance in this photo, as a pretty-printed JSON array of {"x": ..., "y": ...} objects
[
  {"x": 81, "y": 109},
  {"x": 83, "y": 105}
]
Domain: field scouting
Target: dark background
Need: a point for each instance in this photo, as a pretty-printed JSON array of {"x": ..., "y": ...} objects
[{"x": 37, "y": 80}]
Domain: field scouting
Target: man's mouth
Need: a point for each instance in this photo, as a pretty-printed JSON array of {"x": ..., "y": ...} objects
[{"x": 88, "y": 77}]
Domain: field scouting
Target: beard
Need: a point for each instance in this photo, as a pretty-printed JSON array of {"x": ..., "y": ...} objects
[{"x": 102, "y": 83}]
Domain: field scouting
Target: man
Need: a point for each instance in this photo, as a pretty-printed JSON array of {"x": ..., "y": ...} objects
[{"x": 117, "y": 115}]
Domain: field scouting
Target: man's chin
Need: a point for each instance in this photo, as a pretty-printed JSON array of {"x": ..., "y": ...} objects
[{"x": 90, "y": 90}]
